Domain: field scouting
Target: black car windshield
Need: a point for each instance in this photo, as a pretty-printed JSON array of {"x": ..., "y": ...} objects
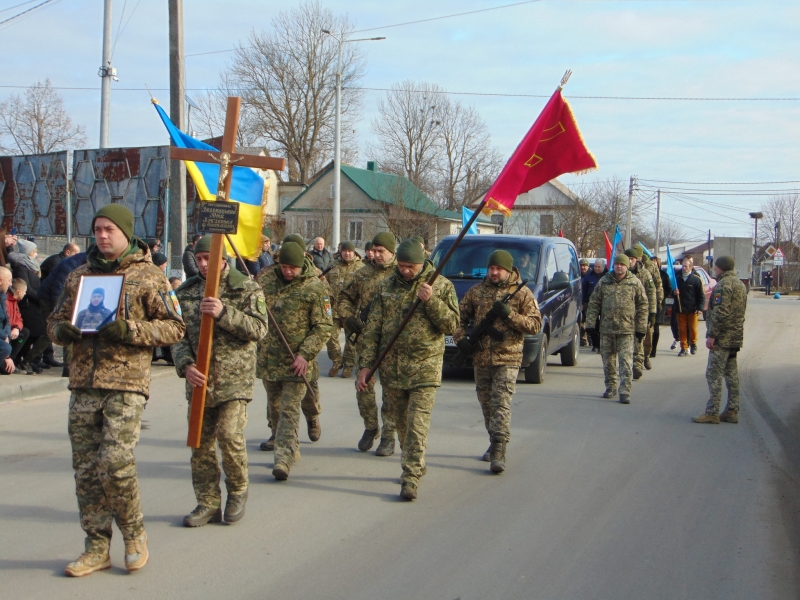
[{"x": 470, "y": 259}]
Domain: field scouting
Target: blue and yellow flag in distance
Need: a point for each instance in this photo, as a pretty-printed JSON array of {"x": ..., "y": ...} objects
[
  {"x": 466, "y": 215},
  {"x": 247, "y": 189}
]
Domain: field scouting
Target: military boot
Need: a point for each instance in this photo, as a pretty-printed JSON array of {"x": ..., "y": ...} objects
[
  {"x": 386, "y": 447},
  {"x": 498, "y": 456},
  {"x": 647, "y": 364},
  {"x": 729, "y": 416},
  {"x": 234, "y": 507},
  {"x": 408, "y": 490},
  {"x": 369, "y": 437},
  {"x": 136, "y": 554},
  {"x": 269, "y": 445},
  {"x": 706, "y": 418},
  {"x": 347, "y": 372},
  {"x": 610, "y": 393},
  {"x": 314, "y": 429},
  {"x": 87, "y": 563},
  {"x": 202, "y": 515},
  {"x": 637, "y": 373},
  {"x": 280, "y": 472},
  {"x": 487, "y": 456},
  {"x": 624, "y": 398},
  {"x": 334, "y": 370}
]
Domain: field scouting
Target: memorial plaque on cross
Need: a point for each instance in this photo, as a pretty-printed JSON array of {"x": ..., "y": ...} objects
[{"x": 226, "y": 158}]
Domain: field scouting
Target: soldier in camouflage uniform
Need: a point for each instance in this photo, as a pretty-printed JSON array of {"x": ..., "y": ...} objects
[
  {"x": 353, "y": 302},
  {"x": 412, "y": 370},
  {"x": 620, "y": 301},
  {"x": 497, "y": 363},
  {"x": 643, "y": 275},
  {"x": 109, "y": 375},
  {"x": 240, "y": 315},
  {"x": 724, "y": 338},
  {"x": 339, "y": 277},
  {"x": 302, "y": 309},
  {"x": 654, "y": 271}
]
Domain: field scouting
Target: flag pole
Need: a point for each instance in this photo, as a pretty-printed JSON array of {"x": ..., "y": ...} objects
[{"x": 430, "y": 281}]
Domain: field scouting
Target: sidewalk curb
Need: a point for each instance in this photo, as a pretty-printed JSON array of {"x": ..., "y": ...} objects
[{"x": 34, "y": 389}]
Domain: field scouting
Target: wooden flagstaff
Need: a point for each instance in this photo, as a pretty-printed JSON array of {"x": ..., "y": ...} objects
[
  {"x": 272, "y": 317},
  {"x": 226, "y": 158}
]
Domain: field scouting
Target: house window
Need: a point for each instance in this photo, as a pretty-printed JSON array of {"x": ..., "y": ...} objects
[
  {"x": 356, "y": 231},
  {"x": 312, "y": 228},
  {"x": 546, "y": 225}
]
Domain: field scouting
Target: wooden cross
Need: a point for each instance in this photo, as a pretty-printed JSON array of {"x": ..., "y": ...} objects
[{"x": 226, "y": 158}]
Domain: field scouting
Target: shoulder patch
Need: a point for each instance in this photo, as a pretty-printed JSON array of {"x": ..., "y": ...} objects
[
  {"x": 261, "y": 306},
  {"x": 718, "y": 298},
  {"x": 326, "y": 302},
  {"x": 177, "y": 305}
]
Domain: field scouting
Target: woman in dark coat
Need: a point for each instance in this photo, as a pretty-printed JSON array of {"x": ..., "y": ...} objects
[{"x": 24, "y": 266}]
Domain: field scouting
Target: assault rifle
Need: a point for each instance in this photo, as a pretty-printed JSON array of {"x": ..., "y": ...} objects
[
  {"x": 363, "y": 315},
  {"x": 325, "y": 272},
  {"x": 486, "y": 327}
]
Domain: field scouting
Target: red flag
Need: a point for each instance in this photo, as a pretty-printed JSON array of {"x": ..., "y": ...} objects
[
  {"x": 553, "y": 146},
  {"x": 608, "y": 249}
]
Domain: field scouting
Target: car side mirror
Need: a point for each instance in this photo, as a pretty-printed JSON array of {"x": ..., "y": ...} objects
[
  {"x": 544, "y": 284},
  {"x": 560, "y": 281}
]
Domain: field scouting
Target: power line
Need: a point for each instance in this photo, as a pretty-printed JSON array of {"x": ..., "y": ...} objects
[
  {"x": 719, "y": 182},
  {"x": 2, "y": 10},
  {"x": 25, "y": 12}
]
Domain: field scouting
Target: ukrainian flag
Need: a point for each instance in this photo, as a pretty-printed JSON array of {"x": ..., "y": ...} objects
[{"x": 247, "y": 189}]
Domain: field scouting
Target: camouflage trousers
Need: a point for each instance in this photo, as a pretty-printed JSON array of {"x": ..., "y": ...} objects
[
  {"x": 309, "y": 404},
  {"x": 104, "y": 428},
  {"x": 284, "y": 400},
  {"x": 646, "y": 345},
  {"x": 495, "y": 386},
  {"x": 412, "y": 409},
  {"x": 224, "y": 425},
  {"x": 722, "y": 365},
  {"x": 335, "y": 350},
  {"x": 368, "y": 409},
  {"x": 615, "y": 347}
]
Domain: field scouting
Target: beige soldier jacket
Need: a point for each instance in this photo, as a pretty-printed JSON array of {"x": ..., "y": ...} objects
[
  {"x": 302, "y": 309},
  {"x": 241, "y": 325},
  {"x": 652, "y": 268},
  {"x": 643, "y": 275},
  {"x": 415, "y": 360},
  {"x": 726, "y": 312},
  {"x": 524, "y": 318},
  {"x": 147, "y": 307},
  {"x": 340, "y": 276},
  {"x": 621, "y": 305}
]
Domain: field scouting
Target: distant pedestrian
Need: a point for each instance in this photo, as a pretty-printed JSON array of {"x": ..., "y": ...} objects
[
  {"x": 321, "y": 255},
  {"x": 768, "y": 282},
  {"x": 583, "y": 265},
  {"x": 690, "y": 298},
  {"x": 588, "y": 285}
]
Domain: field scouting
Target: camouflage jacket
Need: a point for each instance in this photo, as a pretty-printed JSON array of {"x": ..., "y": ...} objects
[
  {"x": 340, "y": 276},
  {"x": 621, "y": 304},
  {"x": 149, "y": 307},
  {"x": 643, "y": 275},
  {"x": 302, "y": 309},
  {"x": 726, "y": 312},
  {"x": 652, "y": 268},
  {"x": 362, "y": 288},
  {"x": 415, "y": 360},
  {"x": 236, "y": 333},
  {"x": 524, "y": 318}
]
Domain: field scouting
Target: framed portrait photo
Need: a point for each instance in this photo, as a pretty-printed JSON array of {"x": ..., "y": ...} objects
[{"x": 98, "y": 301}]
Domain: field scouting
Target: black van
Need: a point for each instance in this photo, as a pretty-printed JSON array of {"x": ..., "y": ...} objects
[{"x": 551, "y": 266}]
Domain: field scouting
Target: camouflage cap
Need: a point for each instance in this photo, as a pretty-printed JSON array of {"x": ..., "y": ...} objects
[{"x": 584, "y": 262}]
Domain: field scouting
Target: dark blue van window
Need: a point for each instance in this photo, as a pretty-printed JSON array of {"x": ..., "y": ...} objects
[{"x": 470, "y": 259}]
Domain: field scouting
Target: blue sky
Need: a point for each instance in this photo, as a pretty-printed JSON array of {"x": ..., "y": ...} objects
[{"x": 701, "y": 48}]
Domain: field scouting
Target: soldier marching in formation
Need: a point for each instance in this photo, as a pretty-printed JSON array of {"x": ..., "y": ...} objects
[
  {"x": 240, "y": 321},
  {"x": 339, "y": 278},
  {"x": 655, "y": 273},
  {"x": 412, "y": 370},
  {"x": 498, "y": 358},
  {"x": 109, "y": 376},
  {"x": 643, "y": 275}
]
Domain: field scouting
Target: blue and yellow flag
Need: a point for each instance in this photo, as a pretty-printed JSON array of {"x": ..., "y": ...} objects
[{"x": 247, "y": 189}]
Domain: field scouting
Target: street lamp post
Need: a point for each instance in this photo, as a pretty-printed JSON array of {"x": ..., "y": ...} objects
[
  {"x": 755, "y": 216},
  {"x": 337, "y": 162}
]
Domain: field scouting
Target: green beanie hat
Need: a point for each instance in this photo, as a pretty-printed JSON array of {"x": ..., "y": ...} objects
[
  {"x": 292, "y": 254},
  {"x": 368, "y": 246},
  {"x": 419, "y": 239},
  {"x": 267, "y": 232},
  {"x": 622, "y": 259},
  {"x": 410, "y": 252},
  {"x": 349, "y": 246},
  {"x": 725, "y": 263},
  {"x": 634, "y": 253},
  {"x": 204, "y": 245},
  {"x": 385, "y": 239},
  {"x": 297, "y": 239},
  {"x": 502, "y": 258},
  {"x": 120, "y": 215}
]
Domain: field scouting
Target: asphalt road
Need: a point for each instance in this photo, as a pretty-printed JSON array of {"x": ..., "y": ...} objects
[{"x": 600, "y": 500}]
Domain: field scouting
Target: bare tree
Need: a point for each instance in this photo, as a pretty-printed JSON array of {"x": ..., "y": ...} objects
[
  {"x": 669, "y": 231},
  {"x": 37, "y": 122},
  {"x": 785, "y": 210},
  {"x": 209, "y": 120},
  {"x": 287, "y": 77},
  {"x": 401, "y": 213},
  {"x": 521, "y": 222},
  {"x": 581, "y": 224}
]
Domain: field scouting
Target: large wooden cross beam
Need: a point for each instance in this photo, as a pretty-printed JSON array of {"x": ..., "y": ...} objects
[{"x": 226, "y": 158}]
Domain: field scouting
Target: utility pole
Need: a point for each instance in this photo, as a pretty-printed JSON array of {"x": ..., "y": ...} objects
[
  {"x": 709, "y": 260},
  {"x": 658, "y": 221},
  {"x": 777, "y": 247},
  {"x": 177, "y": 171},
  {"x": 628, "y": 232},
  {"x": 106, "y": 73}
]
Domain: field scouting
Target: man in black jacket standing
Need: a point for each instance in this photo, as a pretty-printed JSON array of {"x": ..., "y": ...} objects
[
  {"x": 52, "y": 261},
  {"x": 690, "y": 297},
  {"x": 588, "y": 283}
]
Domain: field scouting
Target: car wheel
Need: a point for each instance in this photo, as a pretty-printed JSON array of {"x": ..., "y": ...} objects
[
  {"x": 569, "y": 353},
  {"x": 534, "y": 372}
]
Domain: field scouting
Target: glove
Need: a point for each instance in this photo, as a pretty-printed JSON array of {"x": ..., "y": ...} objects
[
  {"x": 465, "y": 347},
  {"x": 353, "y": 325},
  {"x": 734, "y": 352},
  {"x": 639, "y": 336},
  {"x": 116, "y": 331},
  {"x": 500, "y": 309},
  {"x": 651, "y": 319},
  {"x": 67, "y": 333}
]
